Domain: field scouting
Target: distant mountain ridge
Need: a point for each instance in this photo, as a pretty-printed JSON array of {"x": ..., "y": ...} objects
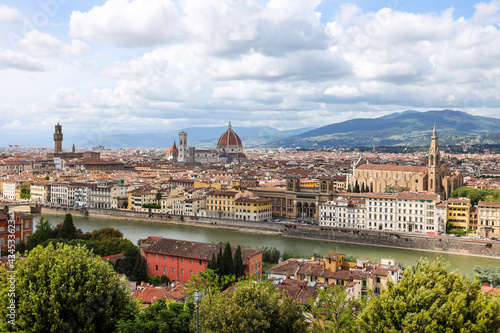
[
  {"x": 410, "y": 128},
  {"x": 202, "y": 137}
]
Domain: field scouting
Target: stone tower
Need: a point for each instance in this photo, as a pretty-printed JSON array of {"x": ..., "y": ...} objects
[
  {"x": 182, "y": 147},
  {"x": 434, "y": 165},
  {"x": 58, "y": 138}
]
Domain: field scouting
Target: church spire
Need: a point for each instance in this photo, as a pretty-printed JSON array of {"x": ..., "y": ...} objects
[
  {"x": 434, "y": 133},
  {"x": 229, "y": 127}
]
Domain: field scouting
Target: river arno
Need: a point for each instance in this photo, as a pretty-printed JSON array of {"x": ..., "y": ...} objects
[{"x": 135, "y": 230}]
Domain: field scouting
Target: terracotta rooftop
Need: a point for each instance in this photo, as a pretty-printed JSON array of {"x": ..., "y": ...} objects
[
  {"x": 188, "y": 249},
  {"x": 393, "y": 167}
]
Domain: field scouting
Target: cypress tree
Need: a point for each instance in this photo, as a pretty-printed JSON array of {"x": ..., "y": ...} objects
[
  {"x": 213, "y": 263},
  {"x": 139, "y": 273},
  {"x": 220, "y": 263},
  {"x": 371, "y": 187},
  {"x": 362, "y": 187},
  {"x": 356, "y": 187},
  {"x": 68, "y": 230},
  {"x": 227, "y": 259},
  {"x": 239, "y": 268}
]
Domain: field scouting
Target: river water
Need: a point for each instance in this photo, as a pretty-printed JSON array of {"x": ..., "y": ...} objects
[{"x": 135, "y": 230}]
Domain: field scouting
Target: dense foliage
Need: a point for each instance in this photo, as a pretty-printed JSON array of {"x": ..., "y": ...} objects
[
  {"x": 476, "y": 194},
  {"x": 489, "y": 275},
  {"x": 68, "y": 289},
  {"x": 253, "y": 306},
  {"x": 431, "y": 299},
  {"x": 133, "y": 265},
  {"x": 270, "y": 255},
  {"x": 334, "y": 310},
  {"x": 163, "y": 316},
  {"x": 225, "y": 264}
]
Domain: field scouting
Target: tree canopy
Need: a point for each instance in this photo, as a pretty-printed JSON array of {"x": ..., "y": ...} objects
[
  {"x": 490, "y": 274},
  {"x": 68, "y": 289},
  {"x": 334, "y": 311},
  {"x": 162, "y": 316},
  {"x": 253, "y": 306},
  {"x": 68, "y": 229},
  {"x": 431, "y": 299},
  {"x": 476, "y": 194}
]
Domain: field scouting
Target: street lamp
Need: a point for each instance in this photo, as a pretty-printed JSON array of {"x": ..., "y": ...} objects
[{"x": 197, "y": 299}]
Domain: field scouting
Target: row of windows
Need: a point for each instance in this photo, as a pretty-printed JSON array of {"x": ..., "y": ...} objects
[{"x": 173, "y": 259}]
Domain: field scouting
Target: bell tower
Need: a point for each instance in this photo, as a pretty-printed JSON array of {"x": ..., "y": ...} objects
[
  {"x": 58, "y": 138},
  {"x": 183, "y": 151},
  {"x": 434, "y": 165}
]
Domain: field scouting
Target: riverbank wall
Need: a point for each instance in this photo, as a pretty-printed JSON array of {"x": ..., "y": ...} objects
[
  {"x": 166, "y": 218},
  {"x": 451, "y": 245}
]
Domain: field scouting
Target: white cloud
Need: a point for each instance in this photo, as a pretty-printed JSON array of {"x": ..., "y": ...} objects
[
  {"x": 136, "y": 23},
  {"x": 275, "y": 63},
  {"x": 45, "y": 45},
  {"x": 10, "y": 15},
  {"x": 21, "y": 61},
  {"x": 342, "y": 91},
  {"x": 486, "y": 13}
]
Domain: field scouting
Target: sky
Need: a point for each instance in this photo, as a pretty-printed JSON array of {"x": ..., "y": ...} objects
[{"x": 151, "y": 66}]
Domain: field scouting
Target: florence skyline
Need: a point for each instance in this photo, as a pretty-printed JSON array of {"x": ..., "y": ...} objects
[{"x": 141, "y": 66}]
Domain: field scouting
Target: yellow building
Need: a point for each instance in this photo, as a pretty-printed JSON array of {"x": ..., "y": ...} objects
[
  {"x": 141, "y": 196},
  {"x": 253, "y": 209},
  {"x": 488, "y": 219},
  {"x": 459, "y": 213},
  {"x": 220, "y": 204},
  {"x": 308, "y": 182}
]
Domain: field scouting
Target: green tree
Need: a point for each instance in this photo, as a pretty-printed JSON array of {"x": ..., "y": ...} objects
[
  {"x": 158, "y": 196},
  {"x": 431, "y": 299},
  {"x": 126, "y": 265},
  {"x": 371, "y": 187},
  {"x": 68, "y": 230},
  {"x": 163, "y": 316},
  {"x": 110, "y": 246},
  {"x": 139, "y": 273},
  {"x": 46, "y": 178},
  {"x": 105, "y": 233},
  {"x": 356, "y": 187},
  {"x": 362, "y": 190},
  {"x": 125, "y": 204},
  {"x": 239, "y": 268},
  {"x": 228, "y": 262},
  {"x": 287, "y": 254},
  {"x": 154, "y": 280},
  {"x": 220, "y": 263},
  {"x": 164, "y": 279},
  {"x": 270, "y": 255},
  {"x": 253, "y": 306},
  {"x": 334, "y": 311},
  {"x": 490, "y": 274},
  {"x": 209, "y": 283},
  {"x": 68, "y": 289},
  {"x": 213, "y": 263},
  {"x": 43, "y": 232}
]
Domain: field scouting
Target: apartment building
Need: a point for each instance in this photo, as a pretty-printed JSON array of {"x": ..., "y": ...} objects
[
  {"x": 458, "y": 213},
  {"x": 488, "y": 219},
  {"x": 59, "y": 193},
  {"x": 253, "y": 209},
  {"x": 220, "y": 204},
  {"x": 342, "y": 213},
  {"x": 40, "y": 191}
]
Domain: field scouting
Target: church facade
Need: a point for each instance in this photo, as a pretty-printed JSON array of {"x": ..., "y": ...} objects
[
  {"x": 434, "y": 177},
  {"x": 229, "y": 149}
]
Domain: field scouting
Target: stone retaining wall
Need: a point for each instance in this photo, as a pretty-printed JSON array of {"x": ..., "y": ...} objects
[{"x": 452, "y": 245}]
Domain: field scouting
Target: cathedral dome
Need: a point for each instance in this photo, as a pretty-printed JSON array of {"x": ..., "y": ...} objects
[
  {"x": 173, "y": 150},
  {"x": 229, "y": 141}
]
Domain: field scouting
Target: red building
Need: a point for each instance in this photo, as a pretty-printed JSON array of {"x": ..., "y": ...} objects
[
  {"x": 23, "y": 228},
  {"x": 179, "y": 260}
]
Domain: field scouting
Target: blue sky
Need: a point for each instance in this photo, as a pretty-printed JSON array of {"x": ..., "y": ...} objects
[{"x": 139, "y": 66}]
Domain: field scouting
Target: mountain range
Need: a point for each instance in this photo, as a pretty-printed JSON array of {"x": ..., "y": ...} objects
[{"x": 408, "y": 128}]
